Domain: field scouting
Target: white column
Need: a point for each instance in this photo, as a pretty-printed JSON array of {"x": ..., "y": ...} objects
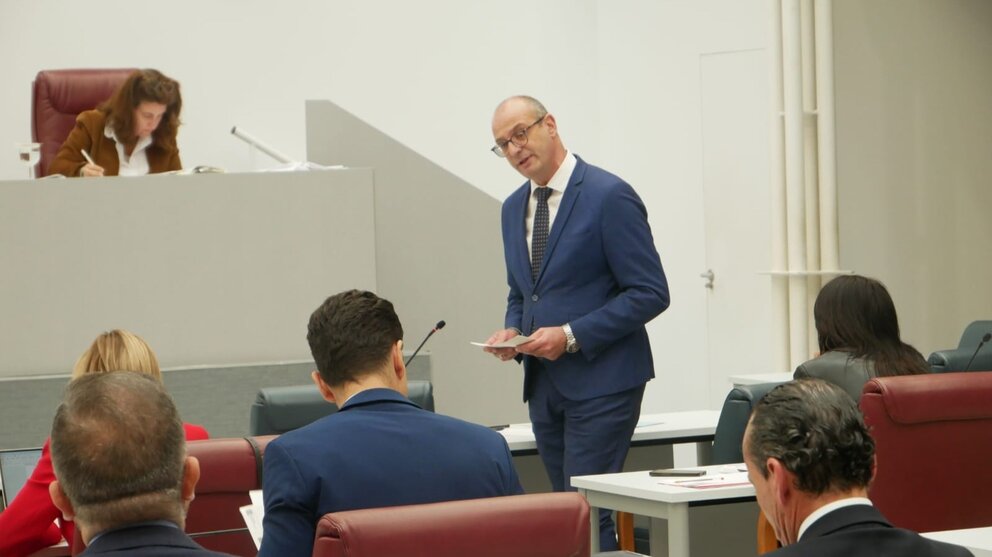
[{"x": 794, "y": 178}]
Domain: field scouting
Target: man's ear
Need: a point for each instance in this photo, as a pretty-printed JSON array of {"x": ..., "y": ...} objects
[
  {"x": 325, "y": 391},
  {"x": 781, "y": 481},
  {"x": 61, "y": 500},
  {"x": 399, "y": 368},
  {"x": 551, "y": 124},
  {"x": 191, "y": 475}
]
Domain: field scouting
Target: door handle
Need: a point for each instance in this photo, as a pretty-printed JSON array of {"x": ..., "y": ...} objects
[{"x": 708, "y": 275}]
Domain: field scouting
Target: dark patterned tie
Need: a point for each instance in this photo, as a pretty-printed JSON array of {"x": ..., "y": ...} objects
[{"x": 539, "y": 241}]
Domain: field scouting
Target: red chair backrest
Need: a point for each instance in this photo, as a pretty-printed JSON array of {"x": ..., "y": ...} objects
[
  {"x": 229, "y": 469},
  {"x": 59, "y": 96},
  {"x": 933, "y": 439},
  {"x": 536, "y": 525}
]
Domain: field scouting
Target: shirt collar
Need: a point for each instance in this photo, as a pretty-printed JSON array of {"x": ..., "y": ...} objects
[
  {"x": 828, "y": 508},
  {"x": 559, "y": 181},
  {"x": 143, "y": 143}
]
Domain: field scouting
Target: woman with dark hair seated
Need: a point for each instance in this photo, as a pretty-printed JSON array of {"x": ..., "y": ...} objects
[
  {"x": 859, "y": 336},
  {"x": 132, "y": 134}
]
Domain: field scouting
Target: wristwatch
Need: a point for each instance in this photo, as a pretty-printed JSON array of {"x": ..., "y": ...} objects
[{"x": 571, "y": 345}]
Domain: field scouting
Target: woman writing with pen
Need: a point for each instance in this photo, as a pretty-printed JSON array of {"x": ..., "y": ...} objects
[{"x": 132, "y": 134}]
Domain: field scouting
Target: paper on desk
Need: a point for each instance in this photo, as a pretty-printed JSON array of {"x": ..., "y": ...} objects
[
  {"x": 509, "y": 343},
  {"x": 709, "y": 481}
]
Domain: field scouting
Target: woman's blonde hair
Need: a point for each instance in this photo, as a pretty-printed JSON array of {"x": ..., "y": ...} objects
[{"x": 118, "y": 350}]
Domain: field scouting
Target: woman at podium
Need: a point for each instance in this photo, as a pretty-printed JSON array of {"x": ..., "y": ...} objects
[{"x": 131, "y": 134}]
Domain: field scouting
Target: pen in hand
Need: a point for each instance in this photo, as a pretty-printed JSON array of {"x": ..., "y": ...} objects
[{"x": 96, "y": 169}]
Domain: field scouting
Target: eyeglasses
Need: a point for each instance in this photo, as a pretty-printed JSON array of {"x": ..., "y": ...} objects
[{"x": 518, "y": 138}]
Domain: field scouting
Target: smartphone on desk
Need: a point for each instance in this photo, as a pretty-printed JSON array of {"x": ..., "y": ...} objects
[{"x": 675, "y": 472}]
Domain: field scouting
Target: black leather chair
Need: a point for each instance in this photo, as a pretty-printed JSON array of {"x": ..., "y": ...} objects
[
  {"x": 734, "y": 415},
  {"x": 943, "y": 361},
  {"x": 277, "y": 410}
]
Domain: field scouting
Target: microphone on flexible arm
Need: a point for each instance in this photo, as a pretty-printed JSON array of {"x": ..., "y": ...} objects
[
  {"x": 438, "y": 327},
  {"x": 986, "y": 338}
]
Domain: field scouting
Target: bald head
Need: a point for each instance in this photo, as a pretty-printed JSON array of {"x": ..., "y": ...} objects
[
  {"x": 118, "y": 449},
  {"x": 529, "y": 138}
]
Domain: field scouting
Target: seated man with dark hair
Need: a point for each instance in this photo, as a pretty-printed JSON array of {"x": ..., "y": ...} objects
[
  {"x": 121, "y": 469},
  {"x": 379, "y": 449},
  {"x": 810, "y": 458}
]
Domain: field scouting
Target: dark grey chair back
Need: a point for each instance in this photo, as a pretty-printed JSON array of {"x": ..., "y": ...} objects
[
  {"x": 277, "y": 410},
  {"x": 733, "y": 420},
  {"x": 943, "y": 361}
]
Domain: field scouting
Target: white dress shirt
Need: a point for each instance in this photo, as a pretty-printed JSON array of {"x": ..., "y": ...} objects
[
  {"x": 830, "y": 507},
  {"x": 557, "y": 183},
  {"x": 137, "y": 163}
]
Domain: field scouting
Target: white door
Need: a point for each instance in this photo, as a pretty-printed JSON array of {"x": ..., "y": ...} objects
[{"x": 735, "y": 161}]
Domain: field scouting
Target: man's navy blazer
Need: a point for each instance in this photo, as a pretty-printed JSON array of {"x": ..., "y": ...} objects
[
  {"x": 860, "y": 530},
  {"x": 378, "y": 450},
  {"x": 601, "y": 274},
  {"x": 148, "y": 539}
]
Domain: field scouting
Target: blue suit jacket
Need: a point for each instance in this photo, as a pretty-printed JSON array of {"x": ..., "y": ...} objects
[
  {"x": 379, "y": 450},
  {"x": 601, "y": 274},
  {"x": 148, "y": 539}
]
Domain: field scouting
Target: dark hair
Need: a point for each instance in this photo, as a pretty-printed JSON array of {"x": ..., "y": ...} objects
[
  {"x": 351, "y": 334},
  {"x": 816, "y": 430},
  {"x": 118, "y": 449},
  {"x": 855, "y": 314},
  {"x": 145, "y": 86}
]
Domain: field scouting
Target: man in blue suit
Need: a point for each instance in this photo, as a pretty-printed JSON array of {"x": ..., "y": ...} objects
[
  {"x": 379, "y": 449},
  {"x": 584, "y": 278}
]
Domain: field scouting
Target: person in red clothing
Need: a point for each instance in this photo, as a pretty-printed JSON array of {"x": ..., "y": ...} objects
[{"x": 29, "y": 523}]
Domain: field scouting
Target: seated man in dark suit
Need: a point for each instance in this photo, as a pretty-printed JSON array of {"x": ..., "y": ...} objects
[
  {"x": 810, "y": 458},
  {"x": 121, "y": 469},
  {"x": 379, "y": 449}
]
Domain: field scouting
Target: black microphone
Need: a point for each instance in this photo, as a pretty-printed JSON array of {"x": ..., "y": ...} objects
[
  {"x": 986, "y": 338},
  {"x": 438, "y": 327}
]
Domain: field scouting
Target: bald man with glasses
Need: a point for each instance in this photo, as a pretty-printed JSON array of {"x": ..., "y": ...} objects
[{"x": 584, "y": 278}]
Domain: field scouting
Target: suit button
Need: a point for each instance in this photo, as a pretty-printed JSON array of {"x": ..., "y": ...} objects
[{"x": 535, "y": 298}]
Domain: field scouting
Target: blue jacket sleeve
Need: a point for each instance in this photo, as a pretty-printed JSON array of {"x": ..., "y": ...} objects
[
  {"x": 636, "y": 267},
  {"x": 290, "y": 522}
]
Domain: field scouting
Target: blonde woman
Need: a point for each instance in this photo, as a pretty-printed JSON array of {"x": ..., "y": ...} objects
[{"x": 28, "y": 524}]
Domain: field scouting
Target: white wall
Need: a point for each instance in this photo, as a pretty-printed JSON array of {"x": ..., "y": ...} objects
[{"x": 622, "y": 78}]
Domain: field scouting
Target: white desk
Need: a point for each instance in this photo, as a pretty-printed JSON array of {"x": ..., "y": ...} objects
[
  {"x": 760, "y": 378},
  {"x": 670, "y": 428},
  {"x": 977, "y": 540},
  {"x": 639, "y": 493}
]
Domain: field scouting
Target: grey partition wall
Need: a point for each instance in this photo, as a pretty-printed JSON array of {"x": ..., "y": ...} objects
[
  {"x": 219, "y": 272},
  {"x": 217, "y": 397},
  {"x": 438, "y": 256},
  {"x": 209, "y": 269}
]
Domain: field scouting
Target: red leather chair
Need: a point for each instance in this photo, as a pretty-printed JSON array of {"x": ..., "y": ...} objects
[
  {"x": 59, "y": 96},
  {"x": 933, "y": 437},
  {"x": 536, "y": 525},
  {"x": 229, "y": 469}
]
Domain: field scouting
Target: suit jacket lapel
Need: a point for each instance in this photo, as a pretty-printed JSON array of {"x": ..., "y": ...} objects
[{"x": 572, "y": 192}]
